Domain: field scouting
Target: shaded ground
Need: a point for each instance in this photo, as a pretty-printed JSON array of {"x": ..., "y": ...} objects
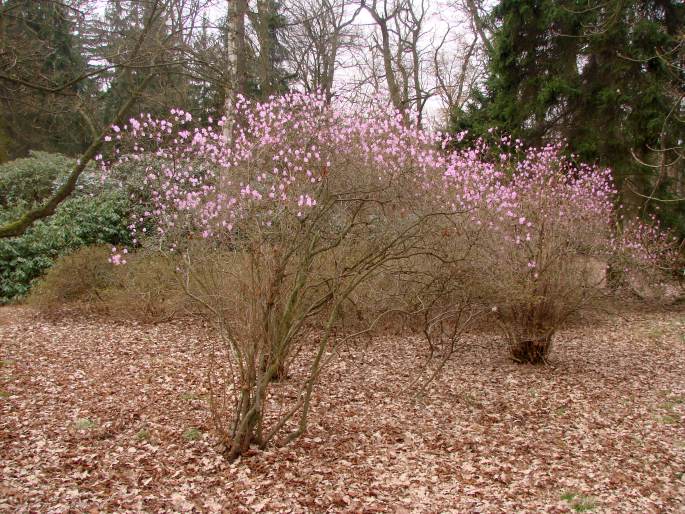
[{"x": 98, "y": 417}]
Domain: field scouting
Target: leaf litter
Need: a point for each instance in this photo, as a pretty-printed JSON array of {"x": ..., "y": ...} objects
[{"x": 101, "y": 416}]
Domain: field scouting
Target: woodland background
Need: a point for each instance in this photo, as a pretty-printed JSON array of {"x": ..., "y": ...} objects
[{"x": 605, "y": 76}]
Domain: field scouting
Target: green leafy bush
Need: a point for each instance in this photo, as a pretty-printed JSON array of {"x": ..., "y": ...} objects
[
  {"x": 146, "y": 289},
  {"x": 94, "y": 214},
  {"x": 26, "y": 182}
]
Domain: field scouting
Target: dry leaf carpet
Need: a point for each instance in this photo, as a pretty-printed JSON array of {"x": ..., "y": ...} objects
[{"x": 97, "y": 416}]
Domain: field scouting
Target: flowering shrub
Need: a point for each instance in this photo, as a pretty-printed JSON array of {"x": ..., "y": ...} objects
[
  {"x": 277, "y": 228},
  {"x": 546, "y": 232},
  {"x": 645, "y": 251},
  {"x": 550, "y": 224},
  {"x": 307, "y": 204}
]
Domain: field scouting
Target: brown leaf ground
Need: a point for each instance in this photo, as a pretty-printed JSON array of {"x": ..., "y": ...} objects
[{"x": 97, "y": 416}]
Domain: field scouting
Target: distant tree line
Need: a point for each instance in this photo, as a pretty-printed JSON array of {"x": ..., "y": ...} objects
[{"x": 607, "y": 76}]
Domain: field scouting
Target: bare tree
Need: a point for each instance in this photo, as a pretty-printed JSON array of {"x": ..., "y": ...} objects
[
  {"x": 417, "y": 64},
  {"x": 384, "y": 15},
  {"x": 478, "y": 16},
  {"x": 320, "y": 30},
  {"x": 457, "y": 70}
]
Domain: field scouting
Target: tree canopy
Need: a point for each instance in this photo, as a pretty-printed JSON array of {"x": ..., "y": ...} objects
[{"x": 606, "y": 76}]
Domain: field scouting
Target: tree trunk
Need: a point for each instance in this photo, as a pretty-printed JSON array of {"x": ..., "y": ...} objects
[
  {"x": 236, "y": 61},
  {"x": 264, "y": 38}
]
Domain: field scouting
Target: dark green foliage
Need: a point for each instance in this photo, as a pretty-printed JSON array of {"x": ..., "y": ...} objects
[
  {"x": 605, "y": 76},
  {"x": 79, "y": 221},
  {"x": 39, "y": 45},
  {"x": 170, "y": 86},
  {"x": 94, "y": 215},
  {"x": 26, "y": 182}
]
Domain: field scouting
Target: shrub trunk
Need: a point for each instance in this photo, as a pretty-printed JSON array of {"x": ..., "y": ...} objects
[{"x": 531, "y": 351}]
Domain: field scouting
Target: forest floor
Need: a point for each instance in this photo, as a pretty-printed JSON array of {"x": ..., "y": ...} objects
[{"x": 100, "y": 416}]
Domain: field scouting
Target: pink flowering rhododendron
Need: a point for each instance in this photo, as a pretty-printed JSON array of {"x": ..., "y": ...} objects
[
  {"x": 281, "y": 225},
  {"x": 307, "y": 203},
  {"x": 528, "y": 208},
  {"x": 278, "y": 164},
  {"x": 549, "y": 228},
  {"x": 647, "y": 259}
]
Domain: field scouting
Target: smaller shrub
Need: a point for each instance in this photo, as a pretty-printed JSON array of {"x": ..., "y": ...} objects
[
  {"x": 543, "y": 231},
  {"x": 646, "y": 260},
  {"x": 547, "y": 235},
  {"x": 81, "y": 276},
  {"x": 146, "y": 290}
]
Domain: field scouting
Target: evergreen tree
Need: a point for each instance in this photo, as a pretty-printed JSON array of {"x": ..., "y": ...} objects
[
  {"x": 605, "y": 76},
  {"x": 169, "y": 88},
  {"x": 40, "y": 35}
]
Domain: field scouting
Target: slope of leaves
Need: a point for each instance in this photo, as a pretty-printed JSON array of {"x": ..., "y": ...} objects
[{"x": 96, "y": 416}]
